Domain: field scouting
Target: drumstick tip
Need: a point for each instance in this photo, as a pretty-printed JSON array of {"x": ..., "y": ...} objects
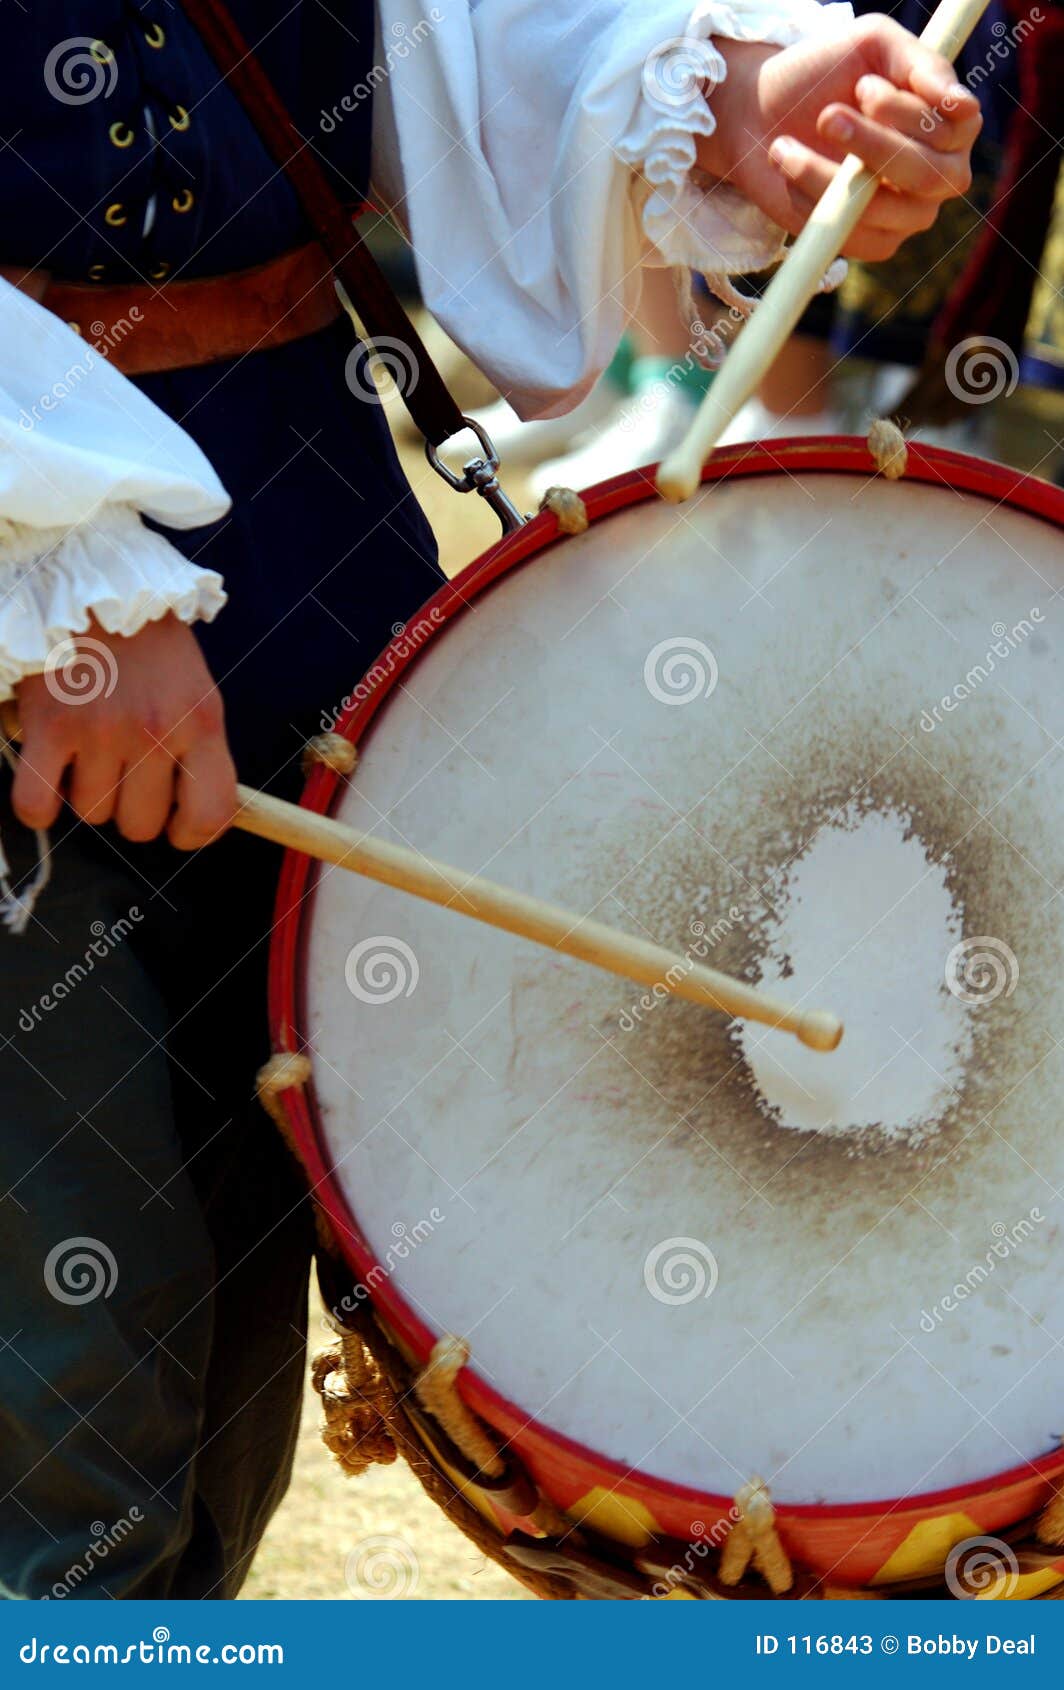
[
  {"x": 820, "y": 1030},
  {"x": 676, "y": 480}
]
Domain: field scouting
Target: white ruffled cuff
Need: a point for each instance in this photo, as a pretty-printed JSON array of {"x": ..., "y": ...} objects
[
  {"x": 114, "y": 569},
  {"x": 689, "y": 219}
]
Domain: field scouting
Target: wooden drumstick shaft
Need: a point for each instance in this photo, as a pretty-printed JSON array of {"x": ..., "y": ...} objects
[
  {"x": 515, "y": 912},
  {"x": 832, "y": 220},
  {"x": 530, "y": 918}
]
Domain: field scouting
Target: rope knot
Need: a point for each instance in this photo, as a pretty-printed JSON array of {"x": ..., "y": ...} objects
[{"x": 357, "y": 1402}]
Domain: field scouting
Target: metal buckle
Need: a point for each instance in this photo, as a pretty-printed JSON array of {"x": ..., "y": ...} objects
[{"x": 479, "y": 476}]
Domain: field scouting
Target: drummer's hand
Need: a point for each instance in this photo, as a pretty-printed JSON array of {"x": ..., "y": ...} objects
[
  {"x": 138, "y": 723},
  {"x": 786, "y": 117}
]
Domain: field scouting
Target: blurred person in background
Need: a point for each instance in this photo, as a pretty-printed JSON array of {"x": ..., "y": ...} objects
[{"x": 969, "y": 310}]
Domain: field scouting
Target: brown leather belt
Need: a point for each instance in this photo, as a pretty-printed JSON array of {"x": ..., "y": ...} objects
[{"x": 143, "y": 329}]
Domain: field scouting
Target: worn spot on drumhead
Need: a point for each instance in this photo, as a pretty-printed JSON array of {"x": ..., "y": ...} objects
[{"x": 723, "y": 867}]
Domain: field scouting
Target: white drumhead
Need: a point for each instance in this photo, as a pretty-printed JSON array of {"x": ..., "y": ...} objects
[{"x": 703, "y": 1250}]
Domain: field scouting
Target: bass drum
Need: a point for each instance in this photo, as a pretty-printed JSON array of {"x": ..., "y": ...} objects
[{"x": 804, "y": 728}]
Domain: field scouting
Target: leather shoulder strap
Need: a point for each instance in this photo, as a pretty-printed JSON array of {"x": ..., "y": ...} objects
[{"x": 426, "y": 398}]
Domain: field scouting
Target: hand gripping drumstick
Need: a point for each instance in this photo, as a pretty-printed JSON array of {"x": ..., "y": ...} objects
[
  {"x": 832, "y": 220},
  {"x": 529, "y": 918}
]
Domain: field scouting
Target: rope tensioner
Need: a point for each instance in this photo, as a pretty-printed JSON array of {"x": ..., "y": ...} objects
[
  {"x": 330, "y": 751},
  {"x": 567, "y": 507},
  {"x": 754, "y": 1539},
  {"x": 886, "y": 443}
]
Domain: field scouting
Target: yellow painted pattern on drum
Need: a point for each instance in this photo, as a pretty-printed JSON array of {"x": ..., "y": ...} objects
[
  {"x": 623, "y": 1518},
  {"x": 926, "y": 1547},
  {"x": 472, "y": 1493},
  {"x": 1024, "y": 1587}
]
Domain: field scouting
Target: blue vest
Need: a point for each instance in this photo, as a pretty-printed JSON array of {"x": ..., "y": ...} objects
[
  {"x": 80, "y": 175},
  {"x": 326, "y": 548}
]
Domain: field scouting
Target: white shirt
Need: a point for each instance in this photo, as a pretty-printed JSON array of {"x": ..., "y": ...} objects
[{"x": 538, "y": 155}]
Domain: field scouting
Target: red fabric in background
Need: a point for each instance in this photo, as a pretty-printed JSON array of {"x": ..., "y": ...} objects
[{"x": 993, "y": 295}]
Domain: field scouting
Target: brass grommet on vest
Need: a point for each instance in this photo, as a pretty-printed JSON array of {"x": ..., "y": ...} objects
[
  {"x": 120, "y": 135},
  {"x": 116, "y": 215},
  {"x": 184, "y": 201},
  {"x": 160, "y": 272},
  {"x": 155, "y": 35},
  {"x": 101, "y": 52},
  {"x": 97, "y": 272},
  {"x": 179, "y": 118}
]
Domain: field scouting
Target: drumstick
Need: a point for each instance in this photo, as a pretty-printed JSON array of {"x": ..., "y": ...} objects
[
  {"x": 529, "y": 918},
  {"x": 515, "y": 912},
  {"x": 832, "y": 220}
]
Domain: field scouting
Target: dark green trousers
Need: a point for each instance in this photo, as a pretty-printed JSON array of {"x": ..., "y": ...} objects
[{"x": 154, "y": 1232}]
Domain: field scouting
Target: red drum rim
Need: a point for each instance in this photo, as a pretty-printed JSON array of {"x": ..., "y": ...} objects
[{"x": 834, "y": 454}]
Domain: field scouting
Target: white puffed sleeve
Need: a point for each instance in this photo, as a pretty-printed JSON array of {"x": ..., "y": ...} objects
[
  {"x": 82, "y": 455},
  {"x": 539, "y": 155}
]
